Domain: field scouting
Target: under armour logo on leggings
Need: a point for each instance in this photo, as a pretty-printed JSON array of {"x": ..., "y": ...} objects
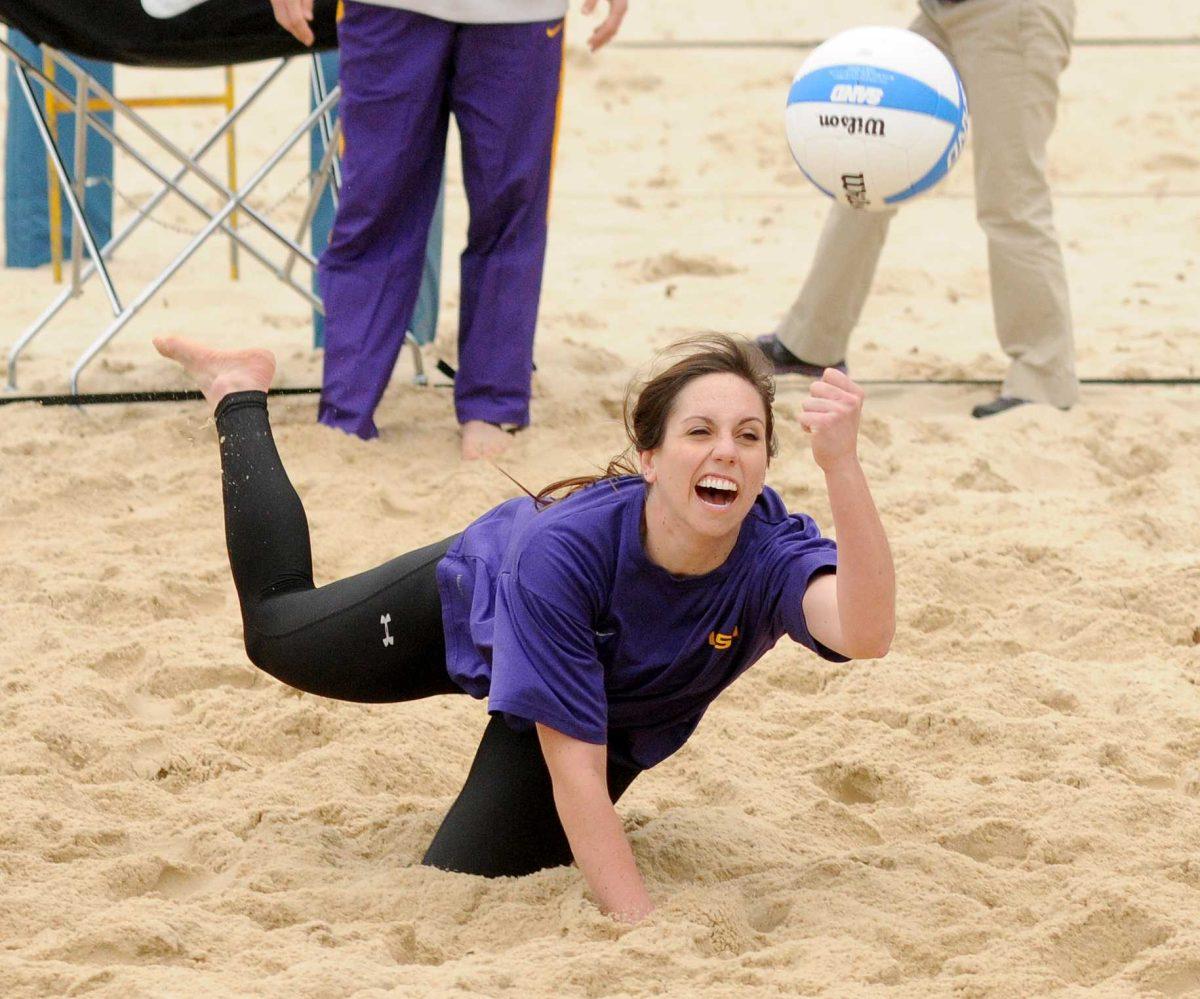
[{"x": 385, "y": 620}]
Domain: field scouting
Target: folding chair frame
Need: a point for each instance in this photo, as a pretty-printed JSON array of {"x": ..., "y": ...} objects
[
  {"x": 87, "y": 115},
  {"x": 225, "y": 99}
]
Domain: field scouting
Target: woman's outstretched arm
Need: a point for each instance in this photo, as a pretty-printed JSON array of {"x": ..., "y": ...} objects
[
  {"x": 854, "y": 611},
  {"x": 578, "y": 772}
]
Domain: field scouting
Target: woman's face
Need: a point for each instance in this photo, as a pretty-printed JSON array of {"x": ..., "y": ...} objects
[{"x": 711, "y": 464}]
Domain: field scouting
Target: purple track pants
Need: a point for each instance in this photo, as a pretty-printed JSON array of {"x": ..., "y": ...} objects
[{"x": 402, "y": 74}]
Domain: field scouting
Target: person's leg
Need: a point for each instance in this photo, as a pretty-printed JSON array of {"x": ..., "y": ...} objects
[
  {"x": 504, "y": 822},
  {"x": 504, "y": 93},
  {"x": 1010, "y": 54},
  {"x": 394, "y": 115},
  {"x": 376, "y": 636},
  {"x": 817, "y": 327}
]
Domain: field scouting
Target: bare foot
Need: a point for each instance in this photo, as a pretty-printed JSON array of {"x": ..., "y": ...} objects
[
  {"x": 483, "y": 440},
  {"x": 219, "y": 372}
]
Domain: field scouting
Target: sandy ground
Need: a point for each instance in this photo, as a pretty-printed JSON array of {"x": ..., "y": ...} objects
[{"x": 1008, "y": 805}]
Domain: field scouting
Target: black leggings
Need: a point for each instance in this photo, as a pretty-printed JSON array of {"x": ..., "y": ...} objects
[{"x": 375, "y": 637}]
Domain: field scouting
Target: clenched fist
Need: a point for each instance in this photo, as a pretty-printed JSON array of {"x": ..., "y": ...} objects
[{"x": 831, "y": 414}]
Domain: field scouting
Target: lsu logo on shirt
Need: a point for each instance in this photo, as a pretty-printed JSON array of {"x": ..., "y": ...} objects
[{"x": 720, "y": 641}]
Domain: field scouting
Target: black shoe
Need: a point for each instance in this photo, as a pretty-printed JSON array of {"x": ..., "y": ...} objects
[
  {"x": 786, "y": 363},
  {"x": 1001, "y": 404}
]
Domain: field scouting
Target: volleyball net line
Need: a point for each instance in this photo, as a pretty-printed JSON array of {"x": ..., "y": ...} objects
[
  {"x": 1182, "y": 41},
  {"x": 191, "y": 395},
  {"x": 109, "y": 398}
]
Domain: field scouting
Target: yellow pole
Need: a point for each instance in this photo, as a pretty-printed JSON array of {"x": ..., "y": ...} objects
[
  {"x": 227, "y": 99},
  {"x": 231, "y": 169},
  {"x": 53, "y": 194}
]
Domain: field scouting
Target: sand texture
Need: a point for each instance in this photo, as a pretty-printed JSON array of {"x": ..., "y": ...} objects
[{"x": 1007, "y": 805}]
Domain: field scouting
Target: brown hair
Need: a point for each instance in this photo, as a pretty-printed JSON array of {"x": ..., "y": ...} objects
[{"x": 648, "y": 405}]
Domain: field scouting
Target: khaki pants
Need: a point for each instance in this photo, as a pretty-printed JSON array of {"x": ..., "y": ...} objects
[{"x": 1009, "y": 54}]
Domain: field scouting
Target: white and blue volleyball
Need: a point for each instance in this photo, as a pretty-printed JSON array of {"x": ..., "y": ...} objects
[{"x": 876, "y": 116}]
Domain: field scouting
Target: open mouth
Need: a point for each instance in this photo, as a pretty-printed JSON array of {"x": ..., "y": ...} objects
[{"x": 716, "y": 491}]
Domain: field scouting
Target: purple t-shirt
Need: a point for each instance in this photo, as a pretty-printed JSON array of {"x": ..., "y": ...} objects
[{"x": 560, "y": 617}]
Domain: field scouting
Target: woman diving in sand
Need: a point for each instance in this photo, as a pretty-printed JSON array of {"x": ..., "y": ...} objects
[{"x": 600, "y": 619}]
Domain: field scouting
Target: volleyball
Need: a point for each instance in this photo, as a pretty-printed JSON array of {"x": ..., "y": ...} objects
[{"x": 876, "y": 116}]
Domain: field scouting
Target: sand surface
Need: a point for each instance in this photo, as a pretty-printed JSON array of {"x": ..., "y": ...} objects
[{"x": 1007, "y": 805}]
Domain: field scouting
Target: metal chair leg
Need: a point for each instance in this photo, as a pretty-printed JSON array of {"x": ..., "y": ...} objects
[
  {"x": 324, "y": 171},
  {"x": 328, "y": 125},
  {"x": 67, "y": 188},
  {"x": 419, "y": 376},
  {"x": 81, "y": 102},
  {"x": 168, "y": 146},
  {"x": 168, "y": 186},
  {"x": 237, "y": 200}
]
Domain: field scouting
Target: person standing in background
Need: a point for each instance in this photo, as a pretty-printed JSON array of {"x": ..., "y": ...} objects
[
  {"x": 405, "y": 66},
  {"x": 1010, "y": 54}
]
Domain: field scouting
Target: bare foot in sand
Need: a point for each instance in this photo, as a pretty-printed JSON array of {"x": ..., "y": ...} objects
[
  {"x": 219, "y": 372},
  {"x": 483, "y": 440}
]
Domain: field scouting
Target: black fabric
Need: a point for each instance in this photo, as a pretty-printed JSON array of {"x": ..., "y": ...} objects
[
  {"x": 505, "y": 823},
  {"x": 375, "y": 637},
  {"x": 214, "y": 33}
]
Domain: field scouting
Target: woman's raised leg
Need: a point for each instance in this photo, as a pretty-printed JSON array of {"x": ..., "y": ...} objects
[{"x": 376, "y": 636}]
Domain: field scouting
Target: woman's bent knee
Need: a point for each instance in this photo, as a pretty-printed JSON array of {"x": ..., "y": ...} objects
[{"x": 266, "y": 654}]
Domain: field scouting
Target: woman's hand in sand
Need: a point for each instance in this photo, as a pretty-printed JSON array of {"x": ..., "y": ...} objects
[
  {"x": 607, "y": 29},
  {"x": 831, "y": 414},
  {"x": 578, "y": 775},
  {"x": 294, "y": 16}
]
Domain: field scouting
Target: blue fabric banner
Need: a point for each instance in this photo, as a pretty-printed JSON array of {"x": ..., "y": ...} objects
[
  {"x": 322, "y": 221},
  {"x": 26, "y": 213}
]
